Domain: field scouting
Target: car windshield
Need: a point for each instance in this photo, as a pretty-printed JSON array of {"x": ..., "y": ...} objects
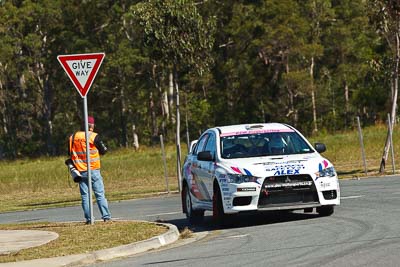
[{"x": 263, "y": 144}]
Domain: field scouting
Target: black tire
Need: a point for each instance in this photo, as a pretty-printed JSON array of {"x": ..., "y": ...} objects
[
  {"x": 325, "y": 210},
  {"x": 194, "y": 216},
  {"x": 219, "y": 216}
]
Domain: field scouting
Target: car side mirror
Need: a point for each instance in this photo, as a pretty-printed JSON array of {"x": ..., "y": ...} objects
[
  {"x": 320, "y": 147},
  {"x": 205, "y": 156}
]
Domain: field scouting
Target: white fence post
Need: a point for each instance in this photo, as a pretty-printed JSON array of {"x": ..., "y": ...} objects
[
  {"x": 360, "y": 135},
  {"x": 164, "y": 162},
  {"x": 391, "y": 141}
]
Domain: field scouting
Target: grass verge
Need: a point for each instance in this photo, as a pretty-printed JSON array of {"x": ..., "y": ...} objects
[
  {"x": 29, "y": 184},
  {"x": 344, "y": 151},
  {"x": 77, "y": 238},
  {"x": 44, "y": 182}
]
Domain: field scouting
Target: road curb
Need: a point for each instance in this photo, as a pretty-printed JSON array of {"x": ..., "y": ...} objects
[{"x": 167, "y": 238}]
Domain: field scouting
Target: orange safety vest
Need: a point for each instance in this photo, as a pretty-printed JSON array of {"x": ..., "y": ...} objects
[{"x": 78, "y": 151}]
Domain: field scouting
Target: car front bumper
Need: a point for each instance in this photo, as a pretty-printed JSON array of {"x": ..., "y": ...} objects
[{"x": 253, "y": 196}]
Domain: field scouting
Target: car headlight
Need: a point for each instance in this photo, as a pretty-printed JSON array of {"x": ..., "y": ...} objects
[
  {"x": 240, "y": 178},
  {"x": 328, "y": 172}
]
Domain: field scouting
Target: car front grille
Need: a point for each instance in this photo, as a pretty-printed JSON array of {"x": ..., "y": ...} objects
[{"x": 287, "y": 190}]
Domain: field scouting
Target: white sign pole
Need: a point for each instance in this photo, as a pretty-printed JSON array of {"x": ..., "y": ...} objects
[
  {"x": 82, "y": 69},
  {"x": 85, "y": 108}
]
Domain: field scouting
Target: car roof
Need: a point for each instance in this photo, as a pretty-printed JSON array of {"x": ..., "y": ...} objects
[{"x": 253, "y": 128}]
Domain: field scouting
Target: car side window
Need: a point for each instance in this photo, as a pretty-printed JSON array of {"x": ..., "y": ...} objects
[
  {"x": 200, "y": 144},
  {"x": 210, "y": 146}
]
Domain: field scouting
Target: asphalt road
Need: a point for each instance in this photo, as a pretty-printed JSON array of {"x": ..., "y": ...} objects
[{"x": 363, "y": 231}]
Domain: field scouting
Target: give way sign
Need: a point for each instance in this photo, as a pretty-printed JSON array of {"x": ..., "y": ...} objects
[{"x": 81, "y": 69}]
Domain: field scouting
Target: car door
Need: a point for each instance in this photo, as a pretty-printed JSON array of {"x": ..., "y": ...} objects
[
  {"x": 208, "y": 167},
  {"x": 197, "y": 186}
]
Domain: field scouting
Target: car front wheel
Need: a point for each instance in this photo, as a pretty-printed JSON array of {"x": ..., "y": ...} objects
[
  {"x": 219, "y": 216},
  {"x": 325, "y": 210}
]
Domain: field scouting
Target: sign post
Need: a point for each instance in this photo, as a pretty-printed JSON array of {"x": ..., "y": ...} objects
[{"x": 82, "y": 69}]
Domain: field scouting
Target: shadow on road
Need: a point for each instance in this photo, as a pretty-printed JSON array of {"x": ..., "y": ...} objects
[{"x": 244, "y": 220}]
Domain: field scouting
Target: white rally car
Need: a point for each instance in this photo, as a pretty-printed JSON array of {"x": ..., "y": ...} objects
[{"x": 250, "y": 167}]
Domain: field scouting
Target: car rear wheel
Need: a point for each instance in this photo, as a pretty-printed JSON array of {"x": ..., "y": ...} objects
[
  {"x": 194, "y": 216},
  {"x": 325, "y": 210}
]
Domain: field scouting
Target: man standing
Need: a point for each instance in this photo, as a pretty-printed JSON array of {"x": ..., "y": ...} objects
[{"x": 77, "y": 152}]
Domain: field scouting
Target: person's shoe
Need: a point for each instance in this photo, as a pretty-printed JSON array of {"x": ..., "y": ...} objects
[
  {"x": 87, "y": 222},
  {"x": 107, "y": 220}
]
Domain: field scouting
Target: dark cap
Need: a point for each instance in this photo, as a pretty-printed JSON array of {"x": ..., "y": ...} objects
[{"x": 90, "y": 120}]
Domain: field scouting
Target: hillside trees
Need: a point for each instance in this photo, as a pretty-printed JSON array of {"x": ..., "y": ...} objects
[
  {"x": 350, "y": 57},
  {"x": 314, "y": 64},
  {"x": 254, "y": 51},
  {"x": 27, "y": 41}
]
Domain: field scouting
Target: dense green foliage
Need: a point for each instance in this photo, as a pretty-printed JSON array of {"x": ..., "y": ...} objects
[{"x": 315, "y": 64}]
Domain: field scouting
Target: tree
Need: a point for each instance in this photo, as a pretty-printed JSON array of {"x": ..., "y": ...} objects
[
  {"x": 179, "y": 38},
  {"x": 387, "y": 18},
  {"x": 319, "y": 13}
]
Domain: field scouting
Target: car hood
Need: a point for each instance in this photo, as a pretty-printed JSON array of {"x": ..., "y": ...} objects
[{"x": 277, "y": 165}]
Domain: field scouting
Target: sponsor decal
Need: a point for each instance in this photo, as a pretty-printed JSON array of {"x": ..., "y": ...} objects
[
  {"x": 188, "y": 172},
  {"x": 241, "y": 170},
  {"x": 195, "y": 187},
  {"x": 227, "y": 198},
  {"x": 325, "y": 165},
  {"x": 235, "y": 169},
  {"x": 257, "y": 132},
  {"x": 246, "y": 189},
  {"x": 325, "y": 185},
  {"x": 227, "y": 193},
  {"x": 283, "y": 162},
  {"x": 286, "y": 172},
  {"x": 286, "y": 169},
  {"x": 295, "y": 184},
  {"x": 225, "y": 189},
  {"x": 247, "y": 172},
  {"x": 268, "y": 163}
]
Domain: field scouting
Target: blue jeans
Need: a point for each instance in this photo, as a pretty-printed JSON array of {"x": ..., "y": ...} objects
[{"x": 98, "y": 189}]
